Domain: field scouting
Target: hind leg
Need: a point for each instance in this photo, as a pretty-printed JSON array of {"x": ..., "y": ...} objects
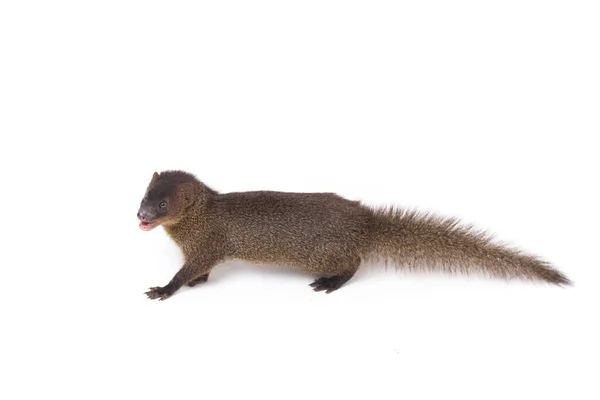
[
  {"x": 332, "y": 283},
  {"x": 338, "y": 273}
]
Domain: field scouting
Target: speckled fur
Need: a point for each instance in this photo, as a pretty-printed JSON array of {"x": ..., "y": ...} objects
[{"x": 321, "y": 233}]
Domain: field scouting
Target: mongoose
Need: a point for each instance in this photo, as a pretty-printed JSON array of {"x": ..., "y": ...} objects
[{"x": 320, "y": 233}]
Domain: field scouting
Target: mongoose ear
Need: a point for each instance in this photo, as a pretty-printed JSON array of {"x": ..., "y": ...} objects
[{"x": 154, "y": 176}]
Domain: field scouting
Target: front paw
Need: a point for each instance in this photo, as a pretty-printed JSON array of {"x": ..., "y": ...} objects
[{"x": 158, "y": 293}]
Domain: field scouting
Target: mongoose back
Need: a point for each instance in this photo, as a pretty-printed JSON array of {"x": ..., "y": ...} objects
[{"x": 320, "y": 233}]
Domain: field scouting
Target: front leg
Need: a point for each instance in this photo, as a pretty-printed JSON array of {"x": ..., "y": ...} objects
[{"x": 186, "y": 274}]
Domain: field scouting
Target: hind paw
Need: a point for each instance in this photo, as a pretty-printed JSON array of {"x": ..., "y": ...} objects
[{"x": 328, "y": 284}]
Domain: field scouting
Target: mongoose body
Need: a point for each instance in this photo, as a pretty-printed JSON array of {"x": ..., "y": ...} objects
[
  {"x": 284, "y": 228},
  {"x": 320, "y": 233}
]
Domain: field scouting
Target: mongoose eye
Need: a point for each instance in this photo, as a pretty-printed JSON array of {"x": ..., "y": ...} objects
[{"x": 162, "y": 204}]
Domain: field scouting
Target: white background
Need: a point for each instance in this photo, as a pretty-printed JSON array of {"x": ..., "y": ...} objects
[{"x": 488, "y": 111}]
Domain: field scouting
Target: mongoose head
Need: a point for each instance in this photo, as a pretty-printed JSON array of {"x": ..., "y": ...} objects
[{"x": 167, "y": 198}]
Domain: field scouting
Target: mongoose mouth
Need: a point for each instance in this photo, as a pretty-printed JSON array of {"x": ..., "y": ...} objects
[{"x": 148, "y": 226}]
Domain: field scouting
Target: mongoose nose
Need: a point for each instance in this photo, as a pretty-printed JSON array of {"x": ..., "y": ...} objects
[{"x": 142, "y": 216}]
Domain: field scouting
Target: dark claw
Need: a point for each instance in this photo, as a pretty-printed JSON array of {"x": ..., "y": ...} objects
[{"x": 157, "y": 293}]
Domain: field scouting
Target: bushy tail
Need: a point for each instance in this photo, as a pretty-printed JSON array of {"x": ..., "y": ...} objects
[{"x": 423, "y": 241}]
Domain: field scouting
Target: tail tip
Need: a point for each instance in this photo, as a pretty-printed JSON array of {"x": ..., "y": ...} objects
[{"x": 560, "y": 280}]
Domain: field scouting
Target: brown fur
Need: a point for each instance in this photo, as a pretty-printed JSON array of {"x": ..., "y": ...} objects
[{"x": 321, "y": 233}]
